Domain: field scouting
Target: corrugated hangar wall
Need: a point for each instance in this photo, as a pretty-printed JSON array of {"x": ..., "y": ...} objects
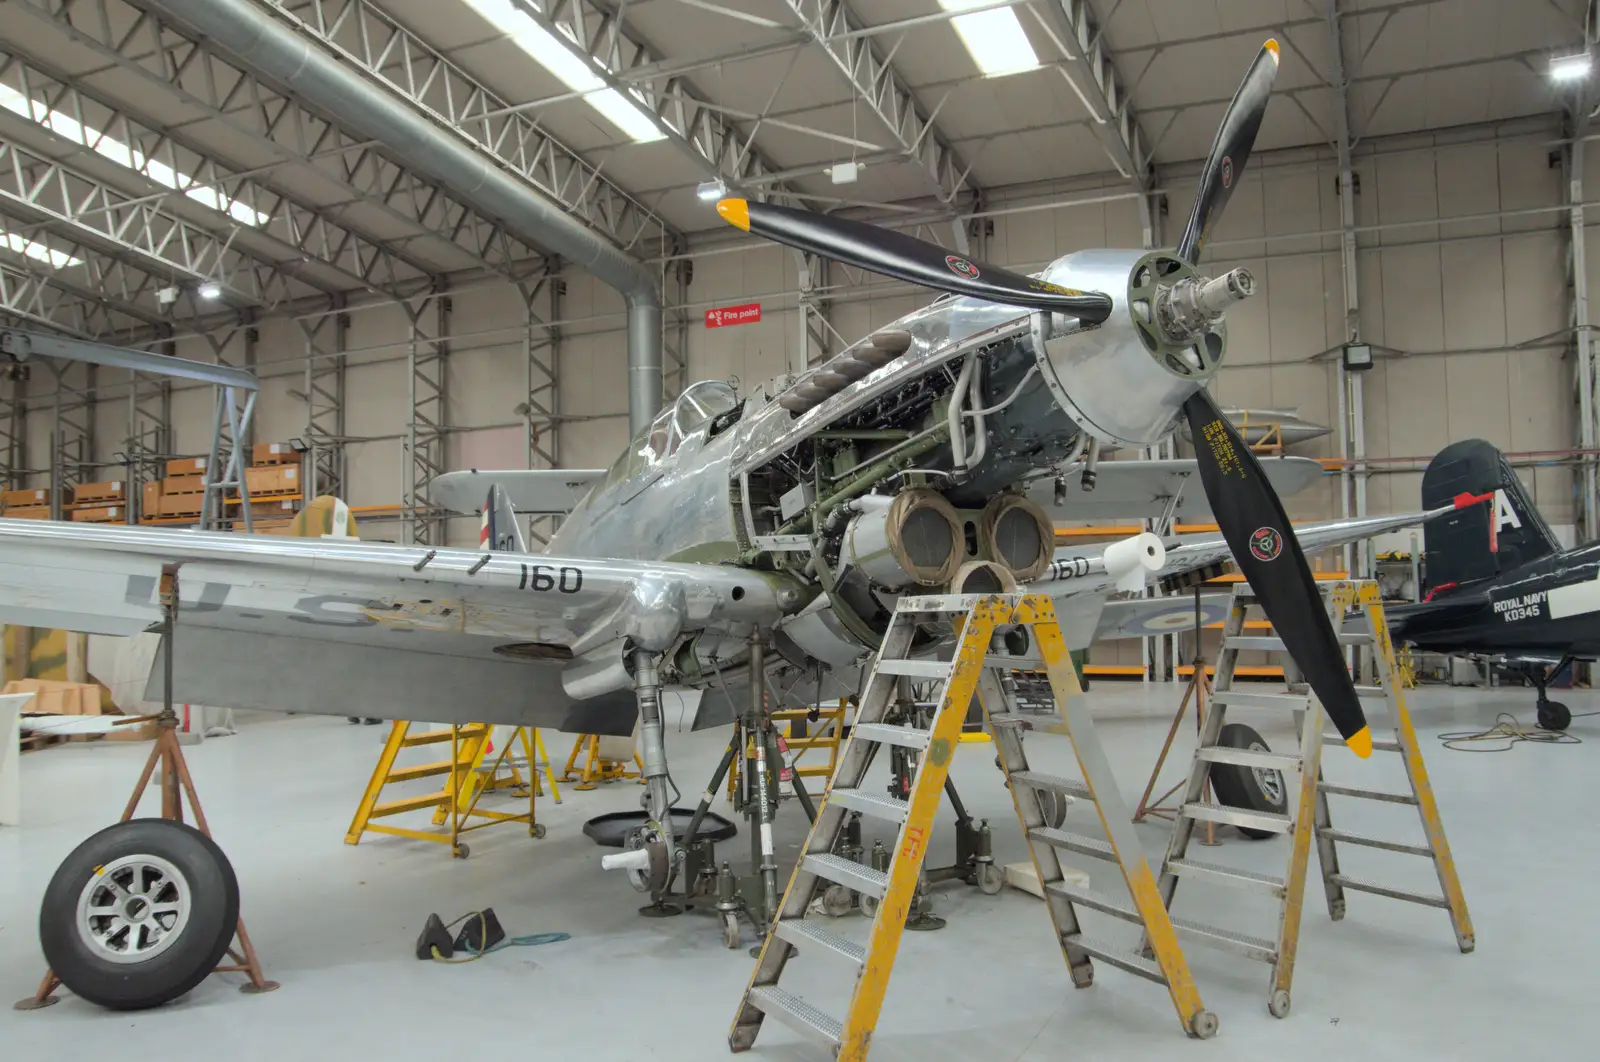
[{"x": 1478, "y": 306}]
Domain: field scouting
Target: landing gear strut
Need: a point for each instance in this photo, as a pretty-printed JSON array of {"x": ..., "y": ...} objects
[
  {"x": 1553, "y": 715},
  {"x": 651, "y": 851}
]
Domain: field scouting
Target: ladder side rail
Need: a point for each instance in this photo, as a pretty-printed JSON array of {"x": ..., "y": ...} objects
[{"x": 380, "y": 773}]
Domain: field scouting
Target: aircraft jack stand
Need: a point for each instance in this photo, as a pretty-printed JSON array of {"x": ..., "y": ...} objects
[{"x": 176, "y": 783}]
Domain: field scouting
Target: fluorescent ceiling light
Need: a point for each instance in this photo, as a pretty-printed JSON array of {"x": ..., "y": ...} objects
[
  {"x": 565, "y": 64},
  {"x": 1570, "y": 67},
  {"x": 994, "y": 38},
  {"x": 209, "y": 291},
  {"x": 709, "y": 190},
  {"x": 65, "y": 125},
  {"x": 38, "y": 251}
]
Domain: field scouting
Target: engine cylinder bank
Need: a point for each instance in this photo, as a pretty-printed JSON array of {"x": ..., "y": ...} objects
[
  {"x": 914, "y": 537},
  {"x": 1015, "y": 533}
]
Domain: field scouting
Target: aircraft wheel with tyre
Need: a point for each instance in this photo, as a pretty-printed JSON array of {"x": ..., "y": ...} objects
[
  {"x": 1553, "y": 715},
  {"x": 1248, "y": 788},
  {"x": 139, "y": 914}
]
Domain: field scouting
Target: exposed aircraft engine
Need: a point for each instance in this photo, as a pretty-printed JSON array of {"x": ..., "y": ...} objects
[
  {"x": 983, "y": 577},
  {"x": 913, "y": 537},
  {"x": 1017, "y": 534}
]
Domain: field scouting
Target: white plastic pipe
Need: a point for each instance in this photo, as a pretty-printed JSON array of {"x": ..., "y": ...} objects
[
  {"x": 637, "y": 859},
  {"x": 1127, "y": 561}
]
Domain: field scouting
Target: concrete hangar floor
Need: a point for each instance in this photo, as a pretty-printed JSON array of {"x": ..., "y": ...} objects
[{"x": 336, "y": 924}]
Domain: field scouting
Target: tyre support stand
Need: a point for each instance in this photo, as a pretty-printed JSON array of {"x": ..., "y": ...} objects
[
  {"x": 1198, "y": 690},
  {"x": 175, "y": 783}
]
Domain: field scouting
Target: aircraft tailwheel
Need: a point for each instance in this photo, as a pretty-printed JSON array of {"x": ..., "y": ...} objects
[
  {"x": 1553, "y": 715},
  {"x": 139, "y": 914},
  {"x": 991, "y": 879},
  {"x": 730, "y": 929}
]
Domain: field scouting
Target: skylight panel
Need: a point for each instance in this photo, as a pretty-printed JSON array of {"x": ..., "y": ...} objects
[
  {"x": 994, "y": 38},
  {"x": 38, "y": 251}
]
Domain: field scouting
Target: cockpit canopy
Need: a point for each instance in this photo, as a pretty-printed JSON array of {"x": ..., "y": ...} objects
[{"x": 696, "y": 407}]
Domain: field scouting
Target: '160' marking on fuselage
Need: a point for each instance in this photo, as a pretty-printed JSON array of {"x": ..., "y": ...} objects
[{"x": 537, "y": 577}]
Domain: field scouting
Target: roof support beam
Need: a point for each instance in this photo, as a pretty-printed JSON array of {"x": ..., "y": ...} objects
[
  {"x": 1070, "y": 24},
  {"x": 833, "y": 27},
  {"x": 21, "y": 344}
]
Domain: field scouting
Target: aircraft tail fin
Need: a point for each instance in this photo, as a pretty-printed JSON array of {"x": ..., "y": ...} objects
[
  {"x": 500, "y": 531},
  {"x": 1478, "y": 541},
  {"x": 323, "y": 517}
]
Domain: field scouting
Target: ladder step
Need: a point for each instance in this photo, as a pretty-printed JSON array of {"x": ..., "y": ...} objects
[
  {"x": 433, "y": 737},
  {"x": 1232, "y": 876},
  {"x": 425, "y": 770},
  {"x": 796, "y": 1013},
  {"x": 1015, "y": 663},
  {"x": 923, "y": 669},
  {"x": 908, "y": 737},
  {"x": 1074, "y": 842},
  {"x": 397, "y": 807},
  {"x": 1377, "y": 746},
  {"x": 1036, "y": 720},
  {"x": 1124, "y": 959},
  {"x": 1075, "y": 894},
  {"x": 878, "y": 805},
  {"x": 1271, "y": 761},
  {"x": 1260, "y": 820},
  {"x": 1346, "y": 837},
  {"x": 1226, "y": 939},
  {"x": 1258, "y": 700},
  {"x": 805, "y": 713},
  {"x": 1372, "y": 691},
  {"x": 845, "y": 872},
  {"x": 910, "y": 606},
  {"x": 798, "y": 931},
  {"x": 1346, "y": 881},
  {"x": 1368, "y": 794},
  {"x": 1053, "y": 782}
]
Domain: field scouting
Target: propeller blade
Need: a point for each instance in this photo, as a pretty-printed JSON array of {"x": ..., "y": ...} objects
[
  {"x": 1269, "y": 556},
  {"x": 894, "y": 254},
  {"x": 1231, "y": 150}
]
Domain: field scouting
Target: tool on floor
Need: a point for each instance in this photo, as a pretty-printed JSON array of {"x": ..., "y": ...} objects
[
  {"x": 467, "y": 779},
  {"x": 971, "y": 670},
  {"x": 482, "y": 935},
  {"x": 1250, "y": 780},
  {"x": 597, "y": 768},
  {"x": 175, "y": 783}
]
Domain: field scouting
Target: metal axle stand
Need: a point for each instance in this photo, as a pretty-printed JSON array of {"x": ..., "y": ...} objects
[
  {"x": 1199, "y": 690},
  {"x": 174, "y": 773}
]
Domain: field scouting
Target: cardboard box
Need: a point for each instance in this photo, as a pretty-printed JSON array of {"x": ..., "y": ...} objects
[
  {"x": 57, "y": 698},
  {"x": 28, "y": 512},
  {"x": 283, "y": 509},
  {"x": 106, "y": 492},
  {"x": 181, "y": 504},
  {"x": 273, "y": 454},
  {"x": 183, "y": 485},
  {"x": 150, "y": 499},
  {"x": 24, "y": 498},
  {"x": 183, "y": 466},
  {"x": 101, "y": 514},
  {"x": 274, "y": 479}
]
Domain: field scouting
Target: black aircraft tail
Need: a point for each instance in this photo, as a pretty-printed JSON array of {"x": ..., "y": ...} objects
[{"x": 1480, "y": 541}]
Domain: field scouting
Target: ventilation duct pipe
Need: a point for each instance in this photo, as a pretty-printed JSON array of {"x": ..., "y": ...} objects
[{"x": 273, "y": 49}]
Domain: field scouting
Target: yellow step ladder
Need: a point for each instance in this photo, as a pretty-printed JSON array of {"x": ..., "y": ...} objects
[
  {"x": 971, "y": 670},
  {"x": 596, "y": 768},
  {"x": 467, "y": 778}
]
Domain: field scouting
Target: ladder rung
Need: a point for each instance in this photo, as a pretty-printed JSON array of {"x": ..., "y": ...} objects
[
  {"x": 433, "y": 737},
  {"x": 1368, "y": 794},
  {"x": 1074, "y": 842},
  {"x": 1345, "y": 881},
  {"x": 1122, "y": 958},
  {"x": 1328, "y": 833},
  {"x": 805, "y": 713},
  {"x": 910, "y": 606},
  {"x": 923, "y": 669},
  {"x": 396, "y": 807},
  {"x": 1054, "y": 782},
  {"x": 424, "y": 770},
  {"x": 878, "y": 805},
  {"x": 1093, "y": 900},
  {"x": 1226, "y": 939},
  {"x": 1015, "y": 663},
  {"x": 908, "y": 737},
  {"x": 1372, "y": 691},
  {"x": 799, "y": 931},
  {"x": 1260, "y": 820},
  {"x": 1269, "y": 643},
  {"x": 1258, "y": 700},
  {"x": 813, "y": 742},
  {"x": 1038, "y": 720},
  {"x": 1233, "y": 876},
  {"x": 846, "y": 872},
  {"x": 796, "y": 1013},
  {"x": 1377, "y": 746},
  {"x": 1271, "y": 761}
]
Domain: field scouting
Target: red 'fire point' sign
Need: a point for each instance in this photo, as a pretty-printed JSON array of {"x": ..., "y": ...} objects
[{"x": 749, "y": 313}]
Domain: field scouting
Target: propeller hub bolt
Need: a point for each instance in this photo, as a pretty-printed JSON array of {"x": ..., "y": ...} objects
[{"x": 1194, "y": 304}]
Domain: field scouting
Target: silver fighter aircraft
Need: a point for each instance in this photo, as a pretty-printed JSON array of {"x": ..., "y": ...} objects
[{"x": 774, "y": 528}]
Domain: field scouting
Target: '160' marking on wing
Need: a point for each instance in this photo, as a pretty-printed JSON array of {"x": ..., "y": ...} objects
[{"x": 537, "y": 577}]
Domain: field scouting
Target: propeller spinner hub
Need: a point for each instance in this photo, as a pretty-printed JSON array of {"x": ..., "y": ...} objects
[{"x": 1189, "y": 308}]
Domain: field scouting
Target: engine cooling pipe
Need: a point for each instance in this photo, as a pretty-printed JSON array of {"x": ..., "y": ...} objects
[{"x": 273, "y": 49}]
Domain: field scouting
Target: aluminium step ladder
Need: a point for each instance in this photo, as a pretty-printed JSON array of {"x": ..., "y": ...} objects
[
  {"x": 971, "y": 670},
  {"x": 1306, "y": 817}
]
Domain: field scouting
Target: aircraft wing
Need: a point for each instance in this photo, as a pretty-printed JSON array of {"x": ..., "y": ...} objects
[
  {"x": 1186, "y": 553},
  {"x": 344, "y": 627},
  {"x": 1138, "y": 490},
  {"x": 537, "y": 490}
]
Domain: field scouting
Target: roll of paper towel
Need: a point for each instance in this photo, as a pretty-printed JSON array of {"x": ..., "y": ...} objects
[{"x": 1128, "y": 560}]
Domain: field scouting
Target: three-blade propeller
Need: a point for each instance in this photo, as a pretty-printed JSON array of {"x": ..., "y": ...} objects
[{"x": 1248, "y": 510}]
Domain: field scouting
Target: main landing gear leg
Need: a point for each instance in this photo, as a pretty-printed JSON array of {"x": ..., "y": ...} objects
[
  {"x": 651, "y": 851},
  {"x": 1553, "y": 715}
]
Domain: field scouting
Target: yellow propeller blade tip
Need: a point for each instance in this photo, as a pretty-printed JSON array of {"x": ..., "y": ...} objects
[
  {"x": 1360, "y": 742},
  {"x": 735, "y": 212},
  {"x": 1272, "y": 46}
]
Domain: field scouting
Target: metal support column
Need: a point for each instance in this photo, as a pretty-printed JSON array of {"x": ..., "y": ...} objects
[
  {"x": 326, "y": 337},
  {"x": 71, "y": 434},
  {"x": 1352, "y": 424},
  {"x": 1578, "y": 278},
  {"x": 149, "y": 440},
  {"x": 13, "y": 424},
  {"x": 541, "y": 409},
  {"x": 814, "y": 339},
  {"x": 424, "y": 456}
]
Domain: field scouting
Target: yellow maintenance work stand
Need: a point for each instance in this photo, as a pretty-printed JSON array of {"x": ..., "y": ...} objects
[{"x": 979, "y": 621}]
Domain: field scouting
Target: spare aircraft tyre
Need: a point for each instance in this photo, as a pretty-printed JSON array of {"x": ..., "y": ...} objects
[
  {"x": 1248, "y": 788},
  {"x": 139, "y": 913}
]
